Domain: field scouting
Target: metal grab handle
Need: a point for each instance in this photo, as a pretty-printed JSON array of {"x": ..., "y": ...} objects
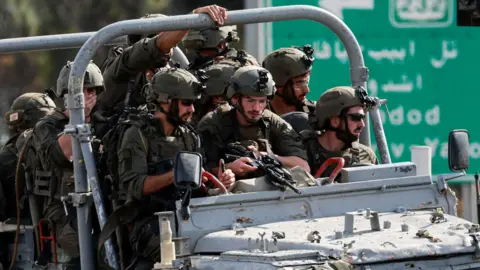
[{"x": 340, "y": 163}]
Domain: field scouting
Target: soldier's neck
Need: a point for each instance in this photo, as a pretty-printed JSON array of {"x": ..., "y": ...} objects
[
  {"x": 280, "y": 107},
  {"x": 330, "y": 142}
]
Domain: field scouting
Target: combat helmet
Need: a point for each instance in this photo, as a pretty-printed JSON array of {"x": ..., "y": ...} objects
[
  {"x": 334, "y": 101},
  {"x": 134, "y": 38},
  {"x": 251, "y": 81},
  {"x": 210, "y": 38},
  {"x": 220, "y": 75},
  {"x": 287, "y": 63},
  {"x": 175, "y": 83},
  {"x": 93, "y": 79},
  {"x": 27, "y": 109},
  {"x": 298, "y": 120}
]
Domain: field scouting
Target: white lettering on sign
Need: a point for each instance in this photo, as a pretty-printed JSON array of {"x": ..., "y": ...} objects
[
  {"x": 449, "y": 51},
  {"x": 414, "y": 116},
  {"x": 397, "y": 149},
  {"x": 336, "y": 6}
]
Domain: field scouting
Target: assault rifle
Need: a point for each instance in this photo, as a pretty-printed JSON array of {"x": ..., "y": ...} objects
[{"x": 275, "y": 172}]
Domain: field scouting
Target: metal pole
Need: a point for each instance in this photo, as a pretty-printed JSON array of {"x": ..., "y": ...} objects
[
  {"x": 358, "y": 71},
  {"x": 66, "y": 41},
  {"x": 99, "y": 205}
]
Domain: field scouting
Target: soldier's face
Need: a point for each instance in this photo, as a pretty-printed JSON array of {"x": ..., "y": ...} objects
[
  {"x": 185, "y": 110},
  {"x": 217, "y": 100},
  {"x": 355, "y": 120},
  {"x": 253, "y": 107},
  {"x": 300, "y": 86}
]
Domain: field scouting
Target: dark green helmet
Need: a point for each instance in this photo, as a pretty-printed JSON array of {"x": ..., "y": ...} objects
[
  {"x": 333, "y": 101},
  {"x": 93, "y": 79},
  {"x": 220, "y": 75},
  {"x": 134, "y": 38},
  {"x": 27, "y": 109},
  {"x": 287, "y": 63},
  {"x": 209, "y": 38},
  {"x": 175, "y": 83},
  {"x": 251, "y": 81}
]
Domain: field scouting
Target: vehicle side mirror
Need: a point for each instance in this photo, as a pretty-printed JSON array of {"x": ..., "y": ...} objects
[
  {"x": 187, "y": 171},
  {"x": 458, "y": 150}
]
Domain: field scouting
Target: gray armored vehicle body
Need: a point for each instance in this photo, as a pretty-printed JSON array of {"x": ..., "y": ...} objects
[{"x": 378, "y": 217}]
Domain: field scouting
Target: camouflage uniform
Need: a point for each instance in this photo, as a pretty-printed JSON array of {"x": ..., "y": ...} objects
[
  {"x": 126, "y": 71},
  {"x": 334, "y": 102},
  {"x": 52, "y": 172},
  {"x": 285, "y": 64},
  {"x": 218, "y": 128},
  {"x": 209, "y": 39},
  {"x": 146, "y": 150}
]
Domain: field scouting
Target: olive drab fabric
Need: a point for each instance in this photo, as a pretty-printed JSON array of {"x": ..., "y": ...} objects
[
  {"x": 333, "y": 101},
  {"x": 145, "y": 152},
  {"x": 125, "y": 74},
  {"x": 210, "y": 37},
  {"x": 24, "y": 113},
  {"x": 27, "y": 109},
  {"x": 52, "y": 175},
  {"x": 175, "y": 83},
  {"x": 317, "y": 154},
  {"x": 92, "y": 79},
  {"x": 298, "y": 120},
  {"x": 287, "y": 63},
  {"x": 218, "y": 129},
  {"x": 251, "y": 81}
]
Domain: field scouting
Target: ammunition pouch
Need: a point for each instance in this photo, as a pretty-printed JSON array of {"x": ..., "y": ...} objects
[{"x": 47, "y": 184}]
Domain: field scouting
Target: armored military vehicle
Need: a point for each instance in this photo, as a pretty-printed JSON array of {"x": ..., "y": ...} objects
[{"x": 376, "y": 217}]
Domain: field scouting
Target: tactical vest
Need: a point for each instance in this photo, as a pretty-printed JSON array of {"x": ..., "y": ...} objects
[
  {"x": 316, "y": 157},
  {"x": 231, "y": 130},
  {"x": 50, "y": 181},
  {"x": 161, "y": 151}
]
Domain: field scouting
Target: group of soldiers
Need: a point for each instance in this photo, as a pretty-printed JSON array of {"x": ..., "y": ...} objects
[{"x": 144, "y": 109}]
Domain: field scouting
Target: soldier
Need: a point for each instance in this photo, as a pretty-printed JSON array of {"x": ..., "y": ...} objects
[
  {"x": 147, "y": 151},
  {"x": 251, "y": 123},
  {"x": 215, "y": 94},
  {"x": 52, "y": 168},
  {"x": 25, "y": 112},
  {"x": 291, "y": 68},
  {"x": 213, "y": 44},
  {"x": 134, "y": 66},
  {"x": 340, "y": 114}
]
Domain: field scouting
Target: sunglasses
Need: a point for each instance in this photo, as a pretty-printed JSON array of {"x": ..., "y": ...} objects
[
  {"x": 187, "y": 102},
  {"x": 357, "y": 117}
]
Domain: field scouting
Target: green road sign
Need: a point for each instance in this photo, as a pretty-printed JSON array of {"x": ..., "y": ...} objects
[{"x": 418, "y": 59}]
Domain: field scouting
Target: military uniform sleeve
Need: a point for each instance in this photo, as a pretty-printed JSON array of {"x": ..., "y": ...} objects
[
  {"x": 137, "y": 58},
  {"x": 132, "y": 162},
  {"x": 45, "y": 140},
  {"x": 210, "y": 140},
  {"x": 286, "y": 141}
]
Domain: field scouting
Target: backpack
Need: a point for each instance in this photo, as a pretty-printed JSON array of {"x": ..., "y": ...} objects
[{"x": 111, "y": 142}]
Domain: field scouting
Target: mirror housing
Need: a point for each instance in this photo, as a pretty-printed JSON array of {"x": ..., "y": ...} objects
[
  {"x": 458, "y": 150},
  {"x": 187, "y": 171}
]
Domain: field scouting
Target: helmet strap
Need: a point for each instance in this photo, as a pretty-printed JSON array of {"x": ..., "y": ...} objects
[
  {"x": 344, "y": 135},
  {"x": 288, "y": 95}
]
